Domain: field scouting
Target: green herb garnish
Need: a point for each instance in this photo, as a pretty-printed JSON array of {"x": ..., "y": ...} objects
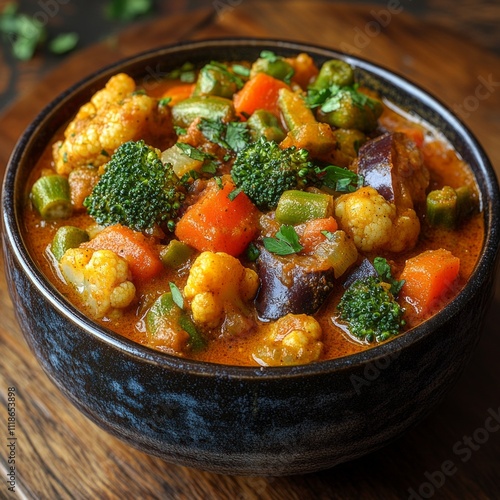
[
  {"x": 176, "y": 295},
  {"x": 286, "y": 241}
]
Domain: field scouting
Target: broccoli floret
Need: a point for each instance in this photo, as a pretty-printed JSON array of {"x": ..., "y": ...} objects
[
  {"x": 136, "y": 190},
  {"x": 264, "y": 171},
  {"x": 371, "y": 310}
]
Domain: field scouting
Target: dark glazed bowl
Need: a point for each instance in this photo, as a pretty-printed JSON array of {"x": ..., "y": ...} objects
[{"x": 245, "y": 420}]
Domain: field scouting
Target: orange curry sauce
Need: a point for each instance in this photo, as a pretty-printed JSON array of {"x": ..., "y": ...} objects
[{"x": 465, "y": 243}]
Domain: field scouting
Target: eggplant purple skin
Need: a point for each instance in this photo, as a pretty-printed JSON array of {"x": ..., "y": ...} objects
[
  {"x": 361, "y": 271},
  {"x": 375, "y": 165},
  {"x": 304, "y": 294}
]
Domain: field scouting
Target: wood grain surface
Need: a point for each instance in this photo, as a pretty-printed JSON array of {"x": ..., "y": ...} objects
[{"x": 61, "y": 454}]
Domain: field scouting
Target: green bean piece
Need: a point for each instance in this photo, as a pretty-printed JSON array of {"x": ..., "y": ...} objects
[
  {"x": 353, "y": 110},
  {"x": 209, "y": 107},
  {"x": 165, "y": 318},
  {"x": 51, "y": 197},
  {"x": 295, "y": 207},
  {"x": 263, "y": 123},
  {"x": 294, "y": 109},
  {"x": 65, "y": 238},
  {"x": 176, "y": 254},
  {"x": 447, "y": 207},
  {"x": 276, "y": 66},
  {"x": 349, "y": 141},
  {"x": 215, "y": 80},
  {"x": 333, "y": 72}
]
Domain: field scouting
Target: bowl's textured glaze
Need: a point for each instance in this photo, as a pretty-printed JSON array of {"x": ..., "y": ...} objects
[{"x": 237, "y": 420}]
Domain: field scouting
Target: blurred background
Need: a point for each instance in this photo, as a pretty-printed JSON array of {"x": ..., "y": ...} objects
[{"x": 37, "y": 35}]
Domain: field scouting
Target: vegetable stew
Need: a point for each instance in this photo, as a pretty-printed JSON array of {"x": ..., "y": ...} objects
[{"x": 269, "y": 212}]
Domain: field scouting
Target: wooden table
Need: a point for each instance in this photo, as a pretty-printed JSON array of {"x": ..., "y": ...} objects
[{"x": 60, "y": 454}]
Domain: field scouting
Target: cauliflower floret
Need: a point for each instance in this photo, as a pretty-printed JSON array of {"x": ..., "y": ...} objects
[
  {"x": 218, "y": 287},
  {"x": 375, "y": 224},
  {"x": 114, "y": 115},
  {"x": 101, "y": 277},
  {"x": 293, "y": 339}
]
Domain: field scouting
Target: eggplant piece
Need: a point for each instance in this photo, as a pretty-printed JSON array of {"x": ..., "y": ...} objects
[
  {"x": 290, "y": 285},
  {"x": 364, "y": 270},
  {"x": 393, "y": 165}
]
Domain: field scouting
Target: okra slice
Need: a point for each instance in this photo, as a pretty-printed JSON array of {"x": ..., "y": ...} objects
[
  {"x": 209, "y": 107},
  {"x": 263, "y": 123},
  {"x": 353, "y": 110},
  {"x": 67, "y": 237},
  {"x": 274, "y": 66},
  {"x": 214, "y": 79},
  {"x": 334, "y": 72},
  {"x": 176, "y": 254},
  {"x": 51, "y": 197},
  {"x": 294, "y": 110},
  {"x": 295, "y": 207},
  {"x": 447, "y": 207}
]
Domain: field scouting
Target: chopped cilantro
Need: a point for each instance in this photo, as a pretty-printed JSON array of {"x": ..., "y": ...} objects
[
  {"x": 164, "y": 101},
  {"x": 194, "y": 153},
  {"x": 285, "y": 242},
  {"x": 330, "y": 98},
  {"x": 384, "y": 271},
  {"x": 185, "y": 73},
  {"x": 340, "y": 179},
  {"x": 233, "y": 135}
]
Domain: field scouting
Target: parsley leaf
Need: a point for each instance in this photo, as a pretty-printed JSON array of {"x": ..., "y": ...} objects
[
  {"x": 164, "y": 101},
  {"x": 222, "y": 68},
  {"x": 384, "y": 271},
  {"x": 233, "y": 135},
  {"x": 269, "y": 55},
  {"x": 241, "y": 70},
  {"x": 327, "y": 234},
  {"x": 185, "y": 73},
  {"x": 237, "y": 135},
  {"x": 285, "y": 242},
  {"x": 330, "y": 99},
  {"x": 340, "y": 179},
  {"x": 194, "y": 153},
  {"x": 234, "y": 193}
]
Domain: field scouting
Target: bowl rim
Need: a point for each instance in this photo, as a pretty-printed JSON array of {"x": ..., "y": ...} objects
[{"x": 491, "y": 206}]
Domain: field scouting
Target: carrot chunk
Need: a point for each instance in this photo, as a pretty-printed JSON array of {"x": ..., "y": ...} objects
[
  {"x": 179, "y": 92},
  {"x": 260, "y": 92},
  {"x": 313, "y": 232},
  {"x": 219, "y": 221},
  {"x": 143, "y": 259},
  {"x": 429, "y": 277}
]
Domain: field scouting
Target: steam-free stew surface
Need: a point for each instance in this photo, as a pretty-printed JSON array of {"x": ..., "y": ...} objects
[{"x": 237, "y": 335}]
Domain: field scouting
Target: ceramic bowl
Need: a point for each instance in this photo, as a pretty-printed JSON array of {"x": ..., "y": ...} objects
[{"x": 245, "y": 420}]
